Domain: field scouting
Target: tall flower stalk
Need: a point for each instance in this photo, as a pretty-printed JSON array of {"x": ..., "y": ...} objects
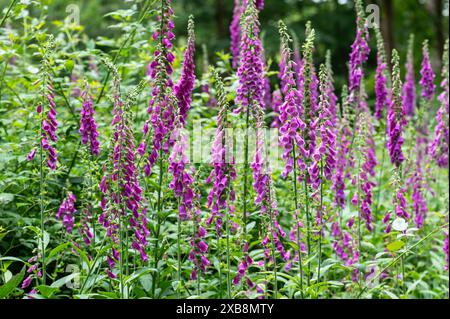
[
  {"x": 182, "y": 180},
  {"x": 46, "y": 110},
  {"x": 358, "y": 56},
  {"x": 122, "y": 210},
  {"x": 309, "y": 171},
  {"x": 396, "y": 117},
  {"x": 162, "y": 111},
  {"x": 409, "y": 88},
  {"x": 325, "y": 153},
  {"x": 250, "y": 95},
  {"x": 235, "y": 31},
  {"x": 381, "y": 88},
  {"x": 265, "y": 198},
  {"x": 396, "y": 121},
  {"x": 440, "y": 144},
  {"x": 222, "y": 195},
  {"x": 291, "y": 137}
]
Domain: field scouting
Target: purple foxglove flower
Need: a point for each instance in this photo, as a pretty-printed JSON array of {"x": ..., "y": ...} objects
[
  {"x": 409, "y": 88},
  {"x": 121, "y": 202},
  {"x": 235, "y": 31},
  {"x": 396, "y": 116},
  {"x": 67, "y": 211},
  {"x": 427, "y": 75},
  {"x": 183, "y": 89},
  {"x": 250, "y": 91},
  {"x": 88, "y": 127},
  {"x": 439, "y": 147},
  {"x": 163, "y": 102}
]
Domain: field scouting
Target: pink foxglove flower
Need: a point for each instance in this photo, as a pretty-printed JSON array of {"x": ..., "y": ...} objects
[
  {"x": 409, "y": 88},
  {"x": 122, "y": 194},
  {"x": 67, "y": 211},
  {"x": 381, "y": 89},
  {"x": 250, "y": 91},
  {"x": 440, "y": 144},
  {"x": 183, "y": 89},
  {"x": 163, "y": 101},
  {"x": 88, "y": 127},
  {"x": 396, "y": 117},
  {"x": 427, "y": 75}
]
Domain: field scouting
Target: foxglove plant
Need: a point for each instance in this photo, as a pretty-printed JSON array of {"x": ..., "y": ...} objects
[
  {"x": 249, "y": 96},
  {"x": 67, "y": 211},
  {"x": 396, "y": 117},
  {"x": 265, "y": 197},
  {"x": 359, "y": 53},
  {"x": 250, "y": 73},
  {"x": 235, "y": 32},
  {"x": 409, "y": 88},
  {"x": 381, "y": 79},
  {"x": 330, "y": 90},
  {"x": 291, "y": 137},
  {"x": 310, "y": 175},
  {"x": 427, "y": 74},
  {"x": 199, "y": 248},
  {"x": 163, "y": 100},
  {"x": 440, "y": 144},
  {"x": 88, "y": 127},
  {"x": 183, "y": 89},
  {"x": 326, "y": 151},
  {"x": 418, "y": 178},
  {"x": 122, "y": 195},
  {"x": 396, "y": 122},
  {"x": 343, "y": 244},
  {"x": 367, "y": 159},
  {"x": 47, "y": 131},
  {"x": 221, "y": 196},
  {"x": 343, "y": 155}
]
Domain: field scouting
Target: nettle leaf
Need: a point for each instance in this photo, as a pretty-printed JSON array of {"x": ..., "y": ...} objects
[{"x": 395, "y": 246}]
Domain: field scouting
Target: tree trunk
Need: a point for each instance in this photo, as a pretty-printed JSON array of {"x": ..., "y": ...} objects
[{"x": 387, "y": 26}]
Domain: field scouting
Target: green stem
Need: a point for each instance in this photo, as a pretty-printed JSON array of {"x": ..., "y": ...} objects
[
  {"x": 93, "y": 265},
  {"x": 308, "y": 230},
  {"x": 321, "y": 223},
  {"x": 158, "y": 221},
  {"x": 299, "y": 251},
  {"x": 41, "y": 199},
  {"x": 179, "y": 246},
  {"x": 6, "y": 16},
  {"x": 275, "y": 284},
  {"x": 228, "y": 258},
  {"x": 244, "y": 217}
]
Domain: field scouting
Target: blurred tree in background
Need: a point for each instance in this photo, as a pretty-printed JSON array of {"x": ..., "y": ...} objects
[{"x": 332, "y": 19}]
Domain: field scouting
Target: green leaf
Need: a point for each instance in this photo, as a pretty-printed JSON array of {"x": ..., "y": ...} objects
[
  {"x": 64, "y": 280},
  {"x": 139, "y": 273},
  {"x": 6, "y": 198},
  {"x": 69, "y": 65},
  {"x": 396, "y": 245},
  {"x": 47, "y": 291},
  {"x": 9, "y": 287},
  {"x": 57, "y": 249}
]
